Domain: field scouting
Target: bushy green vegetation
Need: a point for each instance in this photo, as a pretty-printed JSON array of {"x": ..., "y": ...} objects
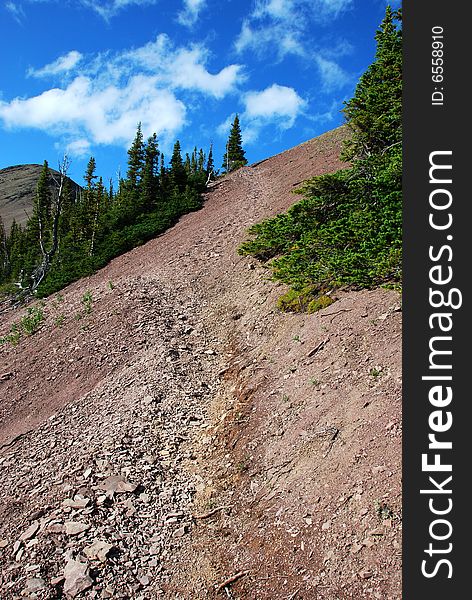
[
  {"x": 71, "y": 235},
  {"x": 347, "y": 230},
  {"x": 28, "y": 325}
]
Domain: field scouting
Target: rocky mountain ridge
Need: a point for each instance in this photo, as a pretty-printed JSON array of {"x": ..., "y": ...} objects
[{"x": 17, "y": 191}]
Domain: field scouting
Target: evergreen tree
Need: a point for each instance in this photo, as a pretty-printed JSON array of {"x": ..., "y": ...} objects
[
  {"x": 136, "y": 160},
  {"x": 374, "y": 114},
  {"x": 234, "y": 157},
  {"x": 201, "y": 161},
  {"x": 16, "y": 244},
  {"x": 150, "y": 187},
  {"x": 178, "y": 176},
  {"x": 4, "y": 256},
  {"x": 210, "y": 167},
  {"x": 348, "y": 228},
  {"x": 90, "y": 173}
]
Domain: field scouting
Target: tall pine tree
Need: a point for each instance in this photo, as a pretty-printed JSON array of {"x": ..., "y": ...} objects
[
  {"x": 235, "y": 156},
  {"x": 374, "y": 114},
  {"x": 178, "y": 175}
]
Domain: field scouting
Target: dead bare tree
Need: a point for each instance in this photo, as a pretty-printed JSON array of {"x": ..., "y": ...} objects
[{"x": 48, "y": 253}]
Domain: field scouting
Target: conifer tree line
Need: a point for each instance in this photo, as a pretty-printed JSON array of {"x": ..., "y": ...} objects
[{"x": 70, "y": 235}]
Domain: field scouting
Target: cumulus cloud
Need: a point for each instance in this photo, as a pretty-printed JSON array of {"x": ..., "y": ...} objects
[
  {"x": 184, "y": 68},
  {"x": 100, "y": 101},
  {"x": 281, "y": 25},
  {"x": 276, "y": 105},
  {"x": 63, "y": 64},
  {"x": 190, "y": 12},
  {"x": 78, "y": 148},
  {"x": 87, "y": 113}
]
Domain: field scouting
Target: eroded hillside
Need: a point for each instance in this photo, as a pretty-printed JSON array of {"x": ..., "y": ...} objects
[{"x": 167, "y": 430}]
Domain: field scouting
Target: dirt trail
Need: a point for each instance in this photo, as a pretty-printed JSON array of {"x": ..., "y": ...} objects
[{"x": 185, "y": 382}]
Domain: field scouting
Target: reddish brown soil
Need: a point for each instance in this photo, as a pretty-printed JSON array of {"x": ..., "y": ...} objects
[{"x": 301, "y": 442}]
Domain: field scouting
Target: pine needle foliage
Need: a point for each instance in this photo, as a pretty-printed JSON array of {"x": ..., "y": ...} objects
[
  {"x": 347, "y": 229},
  {"x": 235, "y": 156}
]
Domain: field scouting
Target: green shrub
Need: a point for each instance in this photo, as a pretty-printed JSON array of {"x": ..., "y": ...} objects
[
  {"x": 321, "y": 302},
  {"x": 32, "y": 321},
  {"x": 347, "y": 229}
]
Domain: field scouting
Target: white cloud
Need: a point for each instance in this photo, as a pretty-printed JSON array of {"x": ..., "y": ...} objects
[
  {"x": 15, "y": 10},
  {"x": 105, "y": 8},
  {"x": 276, "y": 103},
  {"x": 333, "y": 77},
  {"x": 63, "y": 64},
  {"x": 99, "y": 115},
  {"x": 277, "y": 9},
  {"x": 183, "y": 68},
  {"x": 78, "y": 148},
  {"x": 101, "y": 100},
  {"x": 109, "y": 8},
  {"x": 281, "y": 25},
  {"x": 275, "y": 37},
  {"x": 191, "y": 11}
]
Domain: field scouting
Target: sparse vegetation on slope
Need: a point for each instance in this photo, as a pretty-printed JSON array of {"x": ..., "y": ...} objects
[{"x": 347, "y": 230}]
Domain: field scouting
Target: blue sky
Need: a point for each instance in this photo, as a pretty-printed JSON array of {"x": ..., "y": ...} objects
[{"x": 76, "y": 76}]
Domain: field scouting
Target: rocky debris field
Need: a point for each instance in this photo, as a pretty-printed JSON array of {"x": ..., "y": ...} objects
[
  {"x": 167, "y": 433},
  {"x": 99, "y": 498}
]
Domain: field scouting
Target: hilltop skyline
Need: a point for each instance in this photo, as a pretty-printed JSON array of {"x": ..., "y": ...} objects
[{"x": 81, "y": 76}]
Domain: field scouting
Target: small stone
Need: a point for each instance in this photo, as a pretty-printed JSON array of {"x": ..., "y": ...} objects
[
  {"x": 75, "y": 527},
  {"x": 55, "y": 528},
  {"x": 330, "y": 555},
  {"x": 355, "y": 548},
  {"x": 77, "y": 502},
  {"x": 326, "y": 525},
  {"x": 98, "y": 550},
  {"x": 31, "y": 568},
  {"x": 35, "y": 584},
  {"x": 377, "y": 531},
  {"x": 116, "y": 484},
  {"x": 77, "y": 578},
  {"x": 180, "y": 532},
  {"x": 144, "y": 580},
  {"x": 366, "y": 574},
  {"x": 19, "y": 554},
  {"x": 3, "y": 543},
  {"x": 377, "y": 470},
  {"x": 30, "y": 532}
]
